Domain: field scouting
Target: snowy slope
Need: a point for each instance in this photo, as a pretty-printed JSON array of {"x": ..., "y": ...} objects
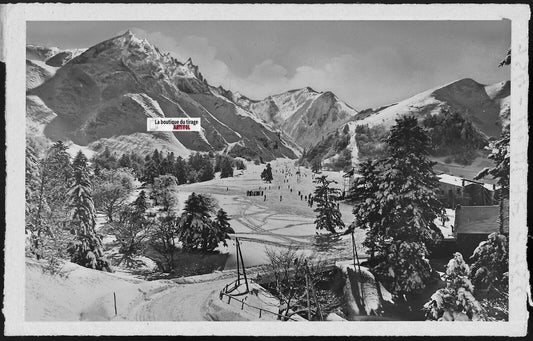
[
  {"x": 480, "y": 103},
  {"x": 303, "y": 114}
]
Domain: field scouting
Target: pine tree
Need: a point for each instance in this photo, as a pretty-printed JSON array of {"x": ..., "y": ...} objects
[
  {"x": 328, "y": 214},
  {"x": 151, "y": 170},
  {"x": 124, "y": 161},
  {"x": 226, "y": 168},
  {"x": 266, "y": 174},
  {"x": 87, "y": 249},
  {"x": 501, "y": 156},
  {"x": 180, "y": 170},
  {"x": 456, "y": 301},
  {"x": 133, "y": 227},
  {"x": 222, "y": 220},
  {"x": 51, "y": 212},
  {"x": 396, "y": 202},
  {"x": 196, "y": 228}
]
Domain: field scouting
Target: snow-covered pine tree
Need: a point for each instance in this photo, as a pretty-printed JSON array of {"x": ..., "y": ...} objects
[
  {"x": 196, "y": 229},
  {"x": 58, "y": 171},
  {"x": 491, "y": 263},
  {"x": 222, "y": 220},
  {"x": 326, "y": 197},
  {"x": 456, "y": 301},
  {"x": 501, "y": 157},
  {"x": 48, "y": 212},
  {"x": 86, "y": 250},
  {"x": 133, "y": 227},
  {"x": 395, "y": 200}
]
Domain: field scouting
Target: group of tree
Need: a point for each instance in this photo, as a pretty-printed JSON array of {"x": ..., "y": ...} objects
[
  {"x": 225, "y": 165},
  {"x": 110, "y": 160},
  {"x": 395, "y": 201},
  {"x": 196, "y": 168},
  {"x": 371, "y": 141},
  {"x": 201, "y": 227},
  {"x": 453, "y": 134},
  {"x": 60, "y": 211},
  {"x": 478, "y": 292},
  {"x": 335, "y": 145}
]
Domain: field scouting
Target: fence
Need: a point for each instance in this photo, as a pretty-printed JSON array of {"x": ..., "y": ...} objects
[{"x": 224, "y": 292}]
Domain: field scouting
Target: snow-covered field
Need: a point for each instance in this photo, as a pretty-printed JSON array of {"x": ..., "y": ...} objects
[
  {"x": 262, "y": 223},
  {"x": 81, "y": 294},
  {"x": 78, "y": 293}
]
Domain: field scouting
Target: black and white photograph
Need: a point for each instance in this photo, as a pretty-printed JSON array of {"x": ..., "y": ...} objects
[{"x": 334, "y": 172}]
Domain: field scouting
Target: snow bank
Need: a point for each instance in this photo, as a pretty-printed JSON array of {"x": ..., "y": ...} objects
[
  {"x": 364, "y": 283},
  {"x": 78, "y": 293}
]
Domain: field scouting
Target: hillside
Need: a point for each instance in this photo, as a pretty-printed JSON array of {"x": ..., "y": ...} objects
[
  {"x": 484, "y": 105},
  {"x": 460, "y": 117}
]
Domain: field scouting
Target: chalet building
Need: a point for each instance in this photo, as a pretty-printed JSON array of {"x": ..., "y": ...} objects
[
  {"x": 455, "y": 191},
  {"x": 473, "y": 224}
]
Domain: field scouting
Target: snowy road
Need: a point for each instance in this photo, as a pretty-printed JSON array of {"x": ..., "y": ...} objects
[{"x": 183, "y": 302}]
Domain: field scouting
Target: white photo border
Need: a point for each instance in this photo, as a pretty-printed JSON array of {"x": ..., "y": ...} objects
[{"x": 14, "y": 31}]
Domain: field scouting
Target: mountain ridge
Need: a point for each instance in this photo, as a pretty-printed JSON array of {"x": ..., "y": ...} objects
[{"x": 108, "y": 91}]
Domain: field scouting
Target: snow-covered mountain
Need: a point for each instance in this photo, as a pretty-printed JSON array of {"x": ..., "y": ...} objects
[
  {"x": 43, "y": 62},
  {"x": 304, "y": 114},
  {"x": 103, "y": 96},
  {"x": 487, "y": 106}
]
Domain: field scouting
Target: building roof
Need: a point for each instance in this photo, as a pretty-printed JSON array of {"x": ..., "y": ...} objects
[
  {"x": 462, "y": 182},
  {"x": 479, "y": 219}
]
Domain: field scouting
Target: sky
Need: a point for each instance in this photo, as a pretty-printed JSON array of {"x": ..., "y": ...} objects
[{"x": 365, "y": 63}]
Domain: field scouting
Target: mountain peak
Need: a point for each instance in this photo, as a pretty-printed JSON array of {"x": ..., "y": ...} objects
[{"x": 128, "y": 33}]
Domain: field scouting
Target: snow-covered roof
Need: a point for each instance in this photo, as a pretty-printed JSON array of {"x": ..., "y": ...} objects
[
  {"x": 458, "y": 181},
  {"x": 450, "y": 179}
]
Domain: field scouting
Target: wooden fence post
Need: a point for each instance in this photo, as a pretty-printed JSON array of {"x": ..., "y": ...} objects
[{"x": 115, "y": 301}]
